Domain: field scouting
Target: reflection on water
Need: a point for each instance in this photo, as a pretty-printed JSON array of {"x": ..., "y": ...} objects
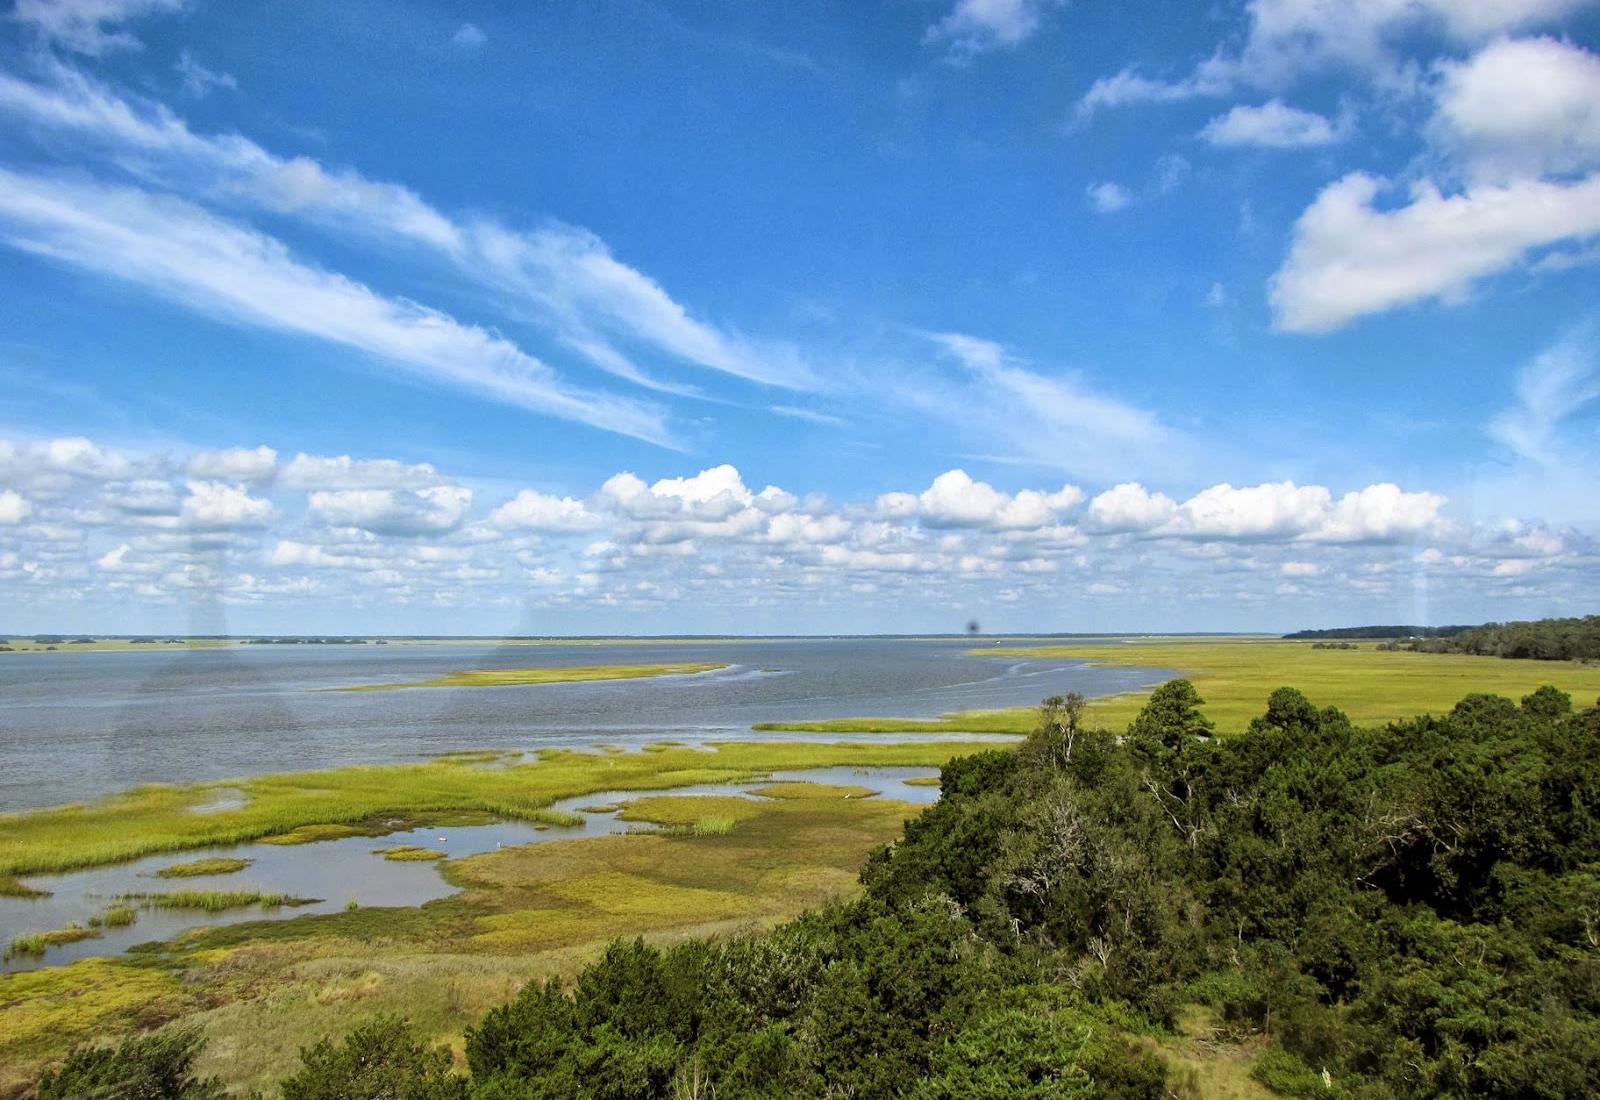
[{"x": 338, "y": 871}]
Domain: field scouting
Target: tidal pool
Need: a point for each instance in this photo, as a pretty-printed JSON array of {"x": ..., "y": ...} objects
[{"x": 337, "y": 872}]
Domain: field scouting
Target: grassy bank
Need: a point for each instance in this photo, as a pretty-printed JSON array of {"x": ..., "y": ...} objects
[
  {"x": 1010, "y": 720},
  {"x": 305, "y": 806},
  {"x": 194, "y": 868},
  {"x": 1235, "y": 675},
  {"x": 515, "y": 677},
  {"x": 262, "y": 990}
]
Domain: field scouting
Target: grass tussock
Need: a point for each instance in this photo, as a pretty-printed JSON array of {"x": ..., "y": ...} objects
[
  {"x": 13, "y": 887},
  {"x": 37, "y": 943},
  {"x": 194, "y": 868},
  {"x": 409, "y": 853},
  {"x": 514, "y": 677},
  {"x": 216, "y": 901},
  {"x": 119, "y": 916},
  {"x": 796, "y": 789},
  {"x": 303, "y": 807},
  {"x": 922, "y": 781},
  {"x": 713, "y": 826}
]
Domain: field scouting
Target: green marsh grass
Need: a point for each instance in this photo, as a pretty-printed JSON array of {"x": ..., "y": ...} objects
[
  {"x": 409, "y": 853},
  {"x": 215, "y": 865},
  {"x": 305, "y": 806},
  {"x": 791, "y": 789},
  {"x": 36, "y": 943},
  {"x": 216, "y": 901},
  {"x": 263, "y": 989},
  {"x": 1235, "y": 676},
  {"x": 13, "y": 887},
  {"x": 119, "y": 916}
]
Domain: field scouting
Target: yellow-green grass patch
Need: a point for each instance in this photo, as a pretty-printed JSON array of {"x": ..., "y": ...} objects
[
  {"x": 264, "y": 989},
  {"x": 1235, "y": 676},
  {"x": 409, "y": 853},
  {"x": 509, "y": 677},
  {"x": 36, "y": 943},
  {"x": 685, "y": 811},
  {"x": 119, "y": 916},
  {"x": 922, "y": 781},
  {"x": 307, "y": 806},
  {"x": 1007, "y": 720},
  {"x": 43, "y": 1012},
  {"x": 797, "y": 789},
  {"x": 13, "y": 887},
  {"x": 194, "y": 868},
  {"x": 215, "y": 901}
]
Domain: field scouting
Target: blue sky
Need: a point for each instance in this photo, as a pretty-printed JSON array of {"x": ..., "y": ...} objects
[{"x": 661, "y": 317}]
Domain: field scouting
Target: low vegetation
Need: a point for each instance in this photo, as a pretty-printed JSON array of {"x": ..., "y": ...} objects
[
  {"x": 119, "y": 916},
  {"x": 13, "y": 887},
  {"x": 511, "y": 677},
  {"x": 194, "y": 868},
  {"x": 302, "y": 807},
  {"x": 215, "y": 901},
  {"x": 261, "y": 991},
  {"x": 37, "y": 943},
  {"x": 409, "y": 853},
  {"x": 1368, "y": 685},
  {"x": 1396, "y": 912}
]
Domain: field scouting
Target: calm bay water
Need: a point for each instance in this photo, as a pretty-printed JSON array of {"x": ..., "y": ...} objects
[{"x": 75, "y": 725}]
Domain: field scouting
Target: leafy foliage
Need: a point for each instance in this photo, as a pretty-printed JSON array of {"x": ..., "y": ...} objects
[
  {"x": 1540, "y": 640},
  {"x": 159, "y": 1066},
  {"x": 381, "y": 1061}
]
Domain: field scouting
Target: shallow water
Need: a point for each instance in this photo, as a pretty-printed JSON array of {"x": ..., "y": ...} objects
[
  {"x": 75, "y": 725},
  {"x": 338, "y": 871}
]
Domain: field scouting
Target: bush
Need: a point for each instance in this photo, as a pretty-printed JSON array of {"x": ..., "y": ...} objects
[
  {"x": 383, "y": 1059},
  {"x": 159, "y": 1066}
]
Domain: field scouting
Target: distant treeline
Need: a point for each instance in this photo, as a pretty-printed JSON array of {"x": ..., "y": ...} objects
[
  {"x": 1380, "y": 632},
  {"x": 306, "y": 641},
  {"x": 1538, "y": 640}
]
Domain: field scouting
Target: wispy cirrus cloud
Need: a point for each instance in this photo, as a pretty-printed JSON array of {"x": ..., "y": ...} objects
[
  {"x": 562, "y": 275},
  {"x": 1555, "y": 386},
  {"x": 91, "y": 27},
  {"x": 175, "y": 249}
]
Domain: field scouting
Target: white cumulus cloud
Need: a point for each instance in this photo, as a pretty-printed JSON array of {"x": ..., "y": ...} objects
[
  {"x": 1272, "y": 125},
  {"x": 1351, "y": 258}
]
